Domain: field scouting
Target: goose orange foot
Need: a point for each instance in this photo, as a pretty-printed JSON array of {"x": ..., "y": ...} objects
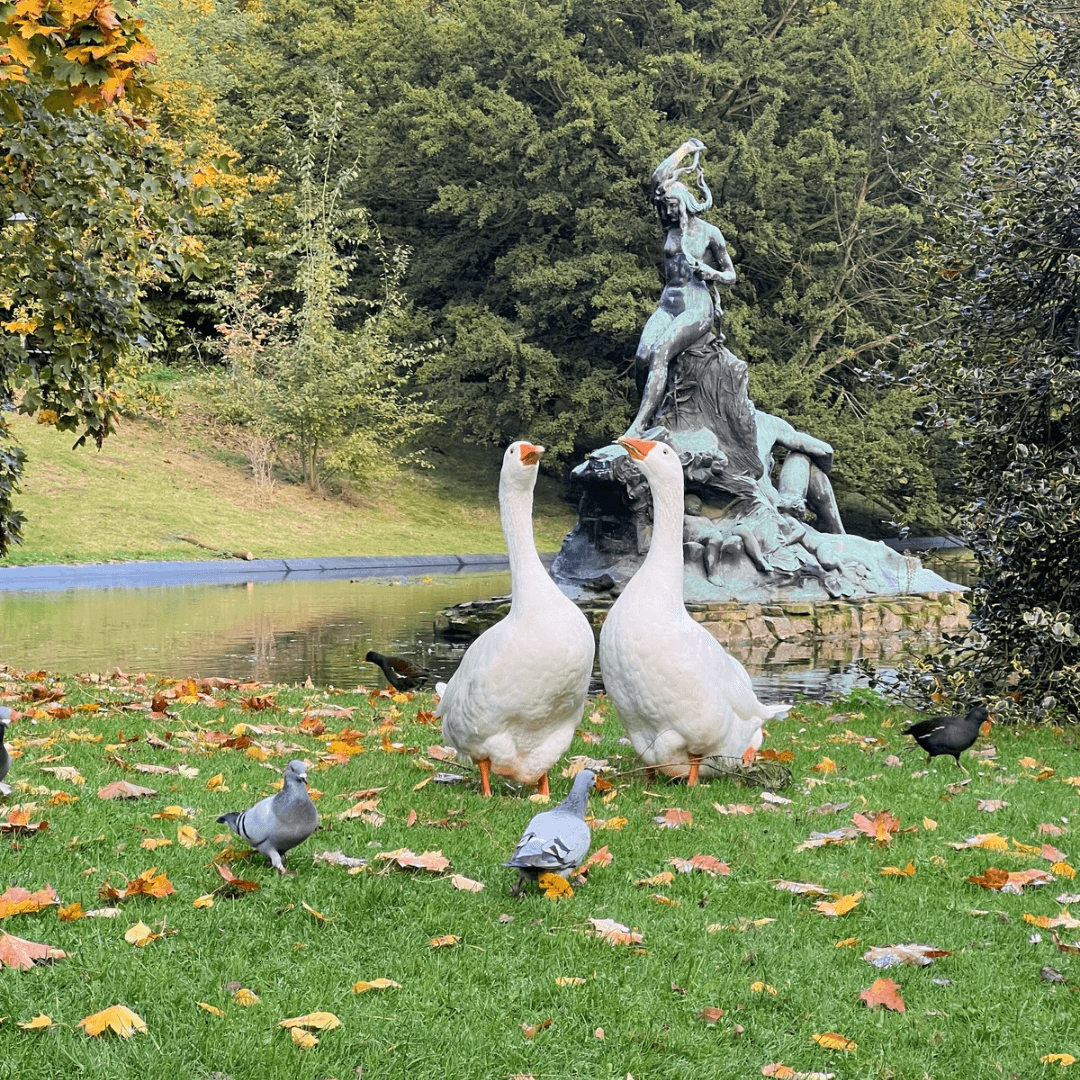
[
  {"x": 485, "y": 777},
  {"x": 542, "y": 785},
  {"x": 695, "y": 762}
]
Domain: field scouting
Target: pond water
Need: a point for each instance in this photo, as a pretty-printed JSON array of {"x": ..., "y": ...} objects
[{"x": 288, "y": 631}]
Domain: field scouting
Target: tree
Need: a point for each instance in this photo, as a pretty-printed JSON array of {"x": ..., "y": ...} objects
[
  {"x": 88, "y": 217},
  {"x": 1004, "y": 367}
]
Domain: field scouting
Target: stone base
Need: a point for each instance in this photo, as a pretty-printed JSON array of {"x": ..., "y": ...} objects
[{"x": 791, "y": 631}]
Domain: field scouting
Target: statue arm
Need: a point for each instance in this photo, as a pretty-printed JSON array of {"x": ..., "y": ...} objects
[
  {"x": 723, "y": 273},
  {"x": 666, "y": 169}
]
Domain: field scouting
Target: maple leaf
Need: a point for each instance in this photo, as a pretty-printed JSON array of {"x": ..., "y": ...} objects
[
  {"x": 666, "y": 877},
  {"x": 708, "y": 864},
  {"x": 118, "y": 1018},
  {"x": 841, "y": 906},
  {"x": 122, "y": 789},
  {"x": 879, "y": 826},
  {"x": 610, "y": 825},
  {"x": 303, "y": 1040},
  {"x": 837, "y": 836},
  {"x": 375, "y": 984},
  {"x": 245, "y": 997},
  {"x": 602, "y": 857},
  {"x": 39, "y": 1023},
  {"x": 673, "y": 818},
  {"x": 733, "y": 809},
  {"x": 554, "y": 886},
  {"x": 785, "y": 1072},
  {"x": 18, "y": 901},
  {"x": 1052, "y": 854},
  {"x": 460, "y": 881},
  {"x": 1048, "y": 829},
  {"x": 826, "y": 766},
  {"x": 434, "y": 861},
  {"x": 71, "y": 912},
  {"x": 989, "y": 841},
  {"x": 883, "y": 992},
  {"x": 614, "y": 933},
  {"x": 149, "y": 883},
  {"x": 1010, "y": 881},
  {"x": 801, "y": 888},
  {"x": 140, "y": 935},
  {"x": 316, "y": 1021},
  {"x": 17, "y": 952},
  {"x": 895, "y": 871},
  {"x": 785, "y": 757},
  {"x": 1063, "y": 1060},
  {"x": 832, "y": 1040},
  {"x": 19, "y": 823},
  {"x": 235, "y": 885},
  {"x": 529, "y": 1030},
  {"x": 886, "y": 956}
]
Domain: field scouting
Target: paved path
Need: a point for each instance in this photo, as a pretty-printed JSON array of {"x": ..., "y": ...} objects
[{"x": 231, "y": 571}]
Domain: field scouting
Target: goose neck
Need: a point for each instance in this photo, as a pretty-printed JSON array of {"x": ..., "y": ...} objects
[{"x": 515, "y": 509}]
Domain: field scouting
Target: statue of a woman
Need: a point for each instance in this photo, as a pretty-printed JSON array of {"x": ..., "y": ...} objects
[{"x": 695, "y": 259}]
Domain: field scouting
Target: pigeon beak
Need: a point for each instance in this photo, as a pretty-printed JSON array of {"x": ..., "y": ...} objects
[
  {"x": 638, "y": 449},
  {"x": 530, "y": 455}
]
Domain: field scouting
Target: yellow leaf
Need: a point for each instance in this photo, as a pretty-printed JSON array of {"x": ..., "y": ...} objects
[
  {"x": 318, "y": 914},
  {"x": 71, "y": 912},
  {"x": 444, "y": 940},
  {"x": 140, "y": 934},
  {"x": 210, "y": 1008},
  {"x": 216, "y": 783},
  {"x": 569, "y": 980},
  {"x": 244, "y": 996},
  {"x": 841, "y": 906},
  {"x": 303, "y": 1039},
  {"x": 172, "y": 813},
  {"x": 761, "y": 987},
  {"x": 929, "y": 824},
  {"x": 847, "y": 943},
  {"x": 1063, "y": 1060},
  {"x": 188, "y": 836},
  {"x": 1063, "y": 869},
  {"x": 895, "y": 871},
  {"x": 826, "y": 766},
  {"x": 375, "y": 984},
  {"x": 152, "y": 843},
  {"x": 204, "y": 901},
  {"x": 555, "y": 886},
  {"x": 40, "y": 1021},
  {"x": 316, "y": 1021},
  {"x": 118, "y": 1018},
  {"x": 831, "y": 1040}
]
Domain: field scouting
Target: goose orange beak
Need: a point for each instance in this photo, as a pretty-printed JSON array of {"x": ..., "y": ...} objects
[
  {"x": 636, "y": 448},
  {"x": 530, "y": 455}
]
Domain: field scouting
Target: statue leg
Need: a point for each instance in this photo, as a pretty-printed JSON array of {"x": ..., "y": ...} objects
[
  {"x": 793, "y": 485},
  {"x": 822, "y": 500}
]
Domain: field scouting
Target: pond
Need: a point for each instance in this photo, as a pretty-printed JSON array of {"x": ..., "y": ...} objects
[{"x": 304, "y": 627}]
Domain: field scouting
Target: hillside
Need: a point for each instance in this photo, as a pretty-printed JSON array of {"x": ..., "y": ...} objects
[{"x": 156, "y": 480}]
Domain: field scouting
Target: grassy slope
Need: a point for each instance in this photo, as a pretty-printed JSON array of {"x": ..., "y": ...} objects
[
  {"x": 982, "y": 1011},
  {"x": 154, "y": 481}
]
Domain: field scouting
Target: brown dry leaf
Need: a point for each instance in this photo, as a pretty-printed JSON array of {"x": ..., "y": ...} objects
[
  {"x": 1048, "y": 922},
  {"x": 375, "y": 984},
  {"x": 19, "y": 901},
  {"x": 244, "y": 996},
  {"x": 708, "y": 864},
  {"x": 465, "y": 884},
  {"x": 710, "y": 1014},
  {"x": 16, "y": 952},
  {"x": 614, "y": 933},
  {"x": 554, "y": 886},
  {"x": 733, "y": 809},
  {"x": 316, "y": 1021},
  {"x": 444, "y": 941},
  {"x": 211, "y": 1008},
  {"x": 173, "y": 813},
  {"x": 883, "y": 992},
  {"x": 1010, "y": 881},
  {"x": 664, "y": 878},
  {"x": 841, "y": 906},
  {"x": 673, "y": 818},
  {"x": 832, "y": 1040},
  {"x": 529, "y": 1030},
  {"x": 39, "y": 1023},
  {"x": 67, "y": 773},
  {"x": 895, "y": 871},
  {"x": 1062, "y": 946},
  {"x": 434, "y": 861},
  {"x": 801, "y": 888},
  {"x": 123, "y": 789},
  {"x": 19, "y": 824},
  {"x": 235, "y": 885},
  {"x": 118, "y": 1018},
  {"x": 816, "y": 839},
  {"x": 1049, "y": 829},
  {"x": 886, "y": 956}
]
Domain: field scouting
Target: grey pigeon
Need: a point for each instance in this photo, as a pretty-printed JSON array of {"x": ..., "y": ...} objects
[
  {"x": 5, "y": 757},
  {"x": 279, "y": 822},
  {"x": 557, "y": 840}
]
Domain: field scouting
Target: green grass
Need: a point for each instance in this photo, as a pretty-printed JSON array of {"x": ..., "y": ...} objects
[
  {"x": 980, "y": 1012},
  {"x": 156, "y": 480}
]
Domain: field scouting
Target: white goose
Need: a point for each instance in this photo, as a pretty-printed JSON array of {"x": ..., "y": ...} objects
[
  {"x": 680, "y": 695},
  {"x": 517, "y": 697}
]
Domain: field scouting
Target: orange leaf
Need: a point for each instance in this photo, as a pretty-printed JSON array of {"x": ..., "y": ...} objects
[
  {"x": 666, "y": 877},
  {"x": 826, "y": 766},
  {"x": 434, "y": 861},
  {"x": 375, "y": 984},
  {"x": 316, "y": 1021},
  {"x": 603, "y": 857},
  {"x": 149, "y": 883},
  {"x": 119, "y": 1018},
  {"x": 883, "y": 992},
  {"x": 18, "y": 901},
  {"x": 554, "y": 886},
  {"x": 529, "y": 1030},
  {"x": 237, "y": 885},
  {"x": 710, "y": 1014},
  {"x": 673, "y": 818},
  {"x": 780, "y": 1072},
  {"x": 883, "y": 956},
  {"x": 444, "y": 941},
  {"x": 895, "y": 871},
  {"x": 841, "y": 906},
  {"x": 16, "y": 952},
  {"x": 785, "y": 757},
  {"x": 71, "y": 912},
  {"x": 615, "y": 933},
  {"x": 708, "y": 864}
]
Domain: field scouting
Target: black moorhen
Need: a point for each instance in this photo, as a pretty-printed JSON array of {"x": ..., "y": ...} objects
[
  {"x": 400, "y": 673},
  {"x": 949, "y": 734},
  {"x": 5, "y": 757}
]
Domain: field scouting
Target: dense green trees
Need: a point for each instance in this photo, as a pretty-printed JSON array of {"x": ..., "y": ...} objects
[{"x": 1004, "y": 366}]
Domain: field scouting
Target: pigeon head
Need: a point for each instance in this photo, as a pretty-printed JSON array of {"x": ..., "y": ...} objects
[
  {"x": 5, "y": 716},
  {"x": 296, "y": 770}
]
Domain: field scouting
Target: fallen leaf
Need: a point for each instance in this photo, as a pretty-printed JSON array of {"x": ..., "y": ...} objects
[
  {"x": 303, "y": 1040},
  {"x": 614, "y": 933},
  {"x": 434, "y": 861},
  {"x": 569, "y": 980},
  {"x": 895, "y": 871},
  {"x": 315, "y": 1021},
  {"x": 841, "y": 906},
  {"x": 991, "y": 805},
  {"x": 879, "y": 826},
  {"x": 801, "y": 888},
  {"x": 832, "y": 1040},
  {"x": 734, "y": 809},
  {"x": 235, "y": 885},
  {"x": 1010, "y": 881},
  {"x": 1052, "y": 854},
  {"x": 710, "y": 1014},
  {"x": 760, "y": 987},
  {"x": 885, "y": 956},
  {"x": 317, "y": 915},
  {"x": 1064, "y": 1060},
  {"x": 122, "y": 789},
  {"x": 837, "y": 836},
  {"x": 1048, "y": 829},
  {"x": 39, "y": 1022},
  {"x": 244, "y": 996},
  {"x": 211, "y": 1008},
  {"x": 554, "y": 886},
  {"x": 673, "y": 818},
  {"x": 929, "y": 824},
  {"x": 989, "y": 841},
  {"x": 460, "y": 881},
  {"x": 529, "y": 1030},
  {"x": 71, "y": 912},
  {"x": 443, "y": 941},
  {"x": 883, "y": 992},
  {"x": 17, "y": 952},
  {"x": 140, "y": 935},
  {"x": 826, "y": 766},
  {"x": 19, "y": 901},
  {"x": 602, "y": 857},
  {"x": 666, "y": 877},
  {"x": 118, "y": 1018},
  {"x": 708, "y": 864}
]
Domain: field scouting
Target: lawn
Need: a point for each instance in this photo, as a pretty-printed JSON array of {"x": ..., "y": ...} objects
[{"x": 525, "y": 989}]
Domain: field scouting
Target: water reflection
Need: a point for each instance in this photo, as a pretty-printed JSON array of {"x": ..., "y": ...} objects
[{"x": 293, "y": 630}]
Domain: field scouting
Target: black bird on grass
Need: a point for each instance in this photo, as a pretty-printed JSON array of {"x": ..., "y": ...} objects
[
  {"x": 949, "y": 734},
  {"x": 400, "y": 673},
  {"x": 5, "y": 757}
]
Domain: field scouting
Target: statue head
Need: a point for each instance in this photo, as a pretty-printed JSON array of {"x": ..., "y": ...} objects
[{"x": 675, "y": 202}]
